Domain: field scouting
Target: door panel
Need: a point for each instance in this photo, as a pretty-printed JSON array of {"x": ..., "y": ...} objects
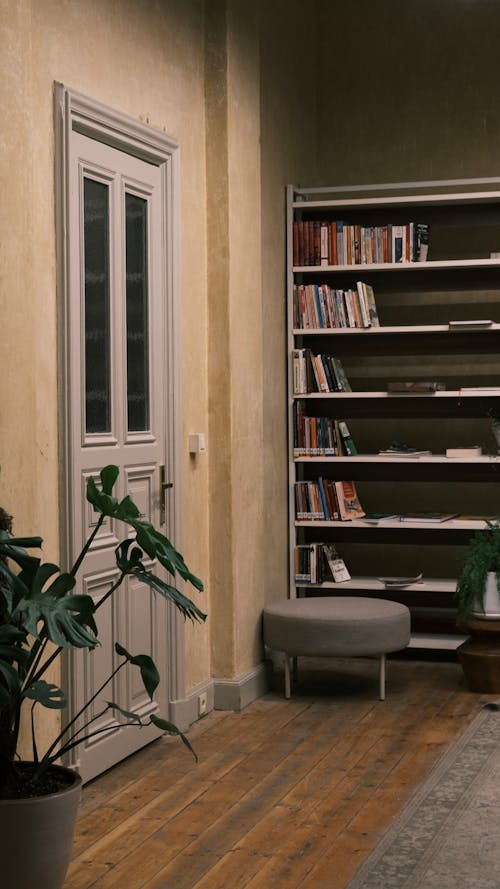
[{"x": 118, "y": 415}]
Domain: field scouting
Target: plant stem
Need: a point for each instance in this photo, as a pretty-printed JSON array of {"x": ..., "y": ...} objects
[
  {"x": 33, "y": 739},
  {"x": 111, "y": 590},
  {"x": 87, "y": 546},
  {"x": 82, "y": 710},
  {"x": 38, "y": 650},
  {"x": 69, "y": 745},
  {"x": 46, "y": 664}
]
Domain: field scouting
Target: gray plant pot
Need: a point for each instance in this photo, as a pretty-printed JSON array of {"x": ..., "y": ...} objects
[
  {"x": 495, "y": 428},
  {"x": 36, "y": 837}
]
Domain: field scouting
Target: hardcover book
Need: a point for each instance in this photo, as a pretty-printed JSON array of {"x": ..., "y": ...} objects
[
  {"x": 456, "y": 453},
  {"x": 346, "y": 438},
  {"x": 335, "y": 563},
  {"x": 349, "y": 504}
]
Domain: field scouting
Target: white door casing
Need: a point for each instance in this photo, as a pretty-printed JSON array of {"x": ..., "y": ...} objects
[{"x": 113, "y": 182}]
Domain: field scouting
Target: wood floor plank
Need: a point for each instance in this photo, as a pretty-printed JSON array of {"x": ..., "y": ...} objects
[
  {"x": 223, "y": 811},
  {"x": 286, "y": 794},
  {"x": 157, "y": 790}
]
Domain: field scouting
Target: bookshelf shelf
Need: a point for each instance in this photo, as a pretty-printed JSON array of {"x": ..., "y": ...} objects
[
  {"x": 440, "y": 641},
  {"x": 401, "y": 527},
  {"x": 373, "y": 585},
  {"x": 432, "y": 459},
  {"x": 454, "y": 394},
  {"x": 452, "y": 278},
  {"x": 425, "y": 267},
  {"x": 394, "y": 330}
]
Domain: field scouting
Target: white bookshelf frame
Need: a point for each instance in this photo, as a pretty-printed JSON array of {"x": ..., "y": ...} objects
[{"x": 452, "y": 194}]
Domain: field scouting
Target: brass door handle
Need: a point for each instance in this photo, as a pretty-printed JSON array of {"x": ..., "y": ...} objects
[{"x": 164, "y": 486}]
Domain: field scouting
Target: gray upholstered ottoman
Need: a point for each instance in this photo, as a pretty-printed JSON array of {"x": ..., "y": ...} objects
[{"x": 336, "y": 627}]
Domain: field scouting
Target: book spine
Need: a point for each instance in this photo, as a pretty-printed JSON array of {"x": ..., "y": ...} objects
[
  {"x": 365, "y": 315},
  {"x": 340, "y": 243},
  {"x": 422, "y": 241},
  {"x": 295, "y": 242},
  {"x": 347, "y": 441},
  {"x": 299, "y": 375},
  {"x": 333, "y": 506},
  {"x": 325, "y": 243},
  {"x": 333, "y": 243},
  {"x": 324, "y": 503},
  {"x": 357, "y": 244},
  {"x": 319, "y": 371},
  {"x": 316, "y": 243},
  {"x": 397, "y": 243},
  {"x": 318, "y": 310},
  {"x": 328, "y": 373}
]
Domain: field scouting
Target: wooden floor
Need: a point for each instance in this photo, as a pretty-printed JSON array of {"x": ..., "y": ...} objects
[{"x": 285, "y": 794}]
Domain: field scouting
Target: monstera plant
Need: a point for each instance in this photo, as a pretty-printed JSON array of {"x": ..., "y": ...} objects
[{"x": 42, "y": 615}]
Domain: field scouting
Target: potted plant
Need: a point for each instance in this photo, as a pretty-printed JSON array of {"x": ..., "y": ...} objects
[
  {"x": 41, "y": 616},
  {"x": 478, "y": 585},
  {"x": 494, "y": 415}
]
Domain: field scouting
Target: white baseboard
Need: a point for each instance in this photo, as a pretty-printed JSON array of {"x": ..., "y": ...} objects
[
  {"x": 235, "y": 694},
  {"x": 221, "y": 694},
  {"x": 185, "y": 711}
]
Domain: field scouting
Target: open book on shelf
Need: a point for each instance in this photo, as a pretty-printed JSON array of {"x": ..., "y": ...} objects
[
  {"x": 471, "y": 324},
  {"x": 400, "y": 449},
  {"x": 398, "y": 583},
  {"x": 411, "y": 386},
  {"x": 428, "y": 517}
]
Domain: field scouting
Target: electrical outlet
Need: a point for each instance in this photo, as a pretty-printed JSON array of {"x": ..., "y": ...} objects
[{"x": 202, "y": 704}]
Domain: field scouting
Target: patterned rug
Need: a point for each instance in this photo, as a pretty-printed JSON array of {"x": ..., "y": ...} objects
[{"x": 448, "y": 835}]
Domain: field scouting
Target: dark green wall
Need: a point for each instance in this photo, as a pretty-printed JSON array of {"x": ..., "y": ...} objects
[{"x": 408, "y": 90}]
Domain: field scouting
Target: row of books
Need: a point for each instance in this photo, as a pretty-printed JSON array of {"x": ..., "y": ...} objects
[
  {"x": 317, "y": 306},
  {"x": 318, "y": 373},
  {"x": 320, "y": 242},
  {"x": 320, "y": 436},
  {"x": 319, "y": 562},
  {"x": 326, "y": 500}
]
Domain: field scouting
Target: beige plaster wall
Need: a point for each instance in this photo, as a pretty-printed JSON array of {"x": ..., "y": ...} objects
[
  {"x": 146, "y": 59},
  {"x": 289, "y": 155},
  {"x": 260, "y": 108},
  {"x": 235, "y": 319},
  {"x": 245, "y": 326}
]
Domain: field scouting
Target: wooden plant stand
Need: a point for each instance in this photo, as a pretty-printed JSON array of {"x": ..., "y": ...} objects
[{"x": 479, "y": 655}]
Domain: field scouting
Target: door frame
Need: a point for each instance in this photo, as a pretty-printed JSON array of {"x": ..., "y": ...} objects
[{"x": 75, "y": 112}]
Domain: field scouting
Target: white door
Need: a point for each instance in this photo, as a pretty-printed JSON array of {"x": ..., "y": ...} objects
[{"x": 118, "y": 408}]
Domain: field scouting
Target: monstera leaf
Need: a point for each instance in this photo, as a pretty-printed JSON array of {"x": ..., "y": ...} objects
[{"x": 42, "y": 614}]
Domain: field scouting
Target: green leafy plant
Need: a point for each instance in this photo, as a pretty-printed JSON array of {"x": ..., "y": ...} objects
[
  {"x": 482, "y": 557},
  {"x": 41, "y": 616},
  {"x": 494, "y": 414}
]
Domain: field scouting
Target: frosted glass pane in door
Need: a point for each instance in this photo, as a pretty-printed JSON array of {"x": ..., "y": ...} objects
[
  {"x": 136, "y": 210},
  {"x": 97, "y": 337}
]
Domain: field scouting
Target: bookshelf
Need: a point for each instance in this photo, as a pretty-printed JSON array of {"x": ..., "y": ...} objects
[{"x": 455, "y": 278}]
